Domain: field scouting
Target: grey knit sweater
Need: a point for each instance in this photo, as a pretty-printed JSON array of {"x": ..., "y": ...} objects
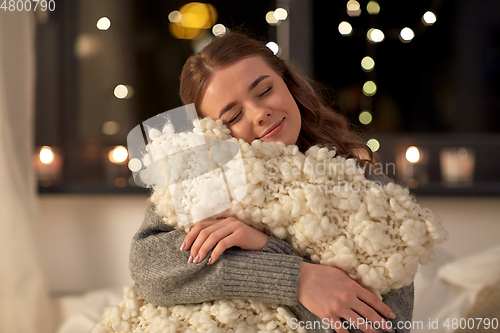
[{"x": 163, "y": 277}]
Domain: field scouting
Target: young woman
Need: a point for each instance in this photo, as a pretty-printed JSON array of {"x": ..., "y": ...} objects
[{"x": 258, "y": 96}]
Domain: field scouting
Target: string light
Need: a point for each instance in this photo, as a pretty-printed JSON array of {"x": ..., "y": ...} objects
[
  {"x": 373, "y": 144},
  {"x": 280, "y": 14},
  {"x": 345, "y": 28},
  {"x": 353, "y": 8},
  {"x": 429, "y": 18},
  {"x": 273, "y": 47},
  {"x": 406, "y": 35},
  {"x": 271, "y": 19},
  {"x": 369, "y": 88},
  {"x": 365, "y": 117},
  {"x": 375, "y": 35},
  {"x": 368, "y": 64},
  {"x": 373, "y": 8}
]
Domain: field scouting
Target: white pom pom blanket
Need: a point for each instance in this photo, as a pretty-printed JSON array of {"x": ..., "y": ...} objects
[{"x": 320, "y": 203}]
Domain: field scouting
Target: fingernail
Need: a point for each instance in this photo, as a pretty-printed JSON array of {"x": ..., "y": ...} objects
[
  {"x": 183, "y": 246},
  {"x": 197, "y": 259},
  {"x": 392, "y": 315},
  {"x": 209, "y": 261},
  {"x": 190, "y": 260}
]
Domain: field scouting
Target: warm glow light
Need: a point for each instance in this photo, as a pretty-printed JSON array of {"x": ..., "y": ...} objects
[
  {"x": 353, "y": 8},
  {"x": 367, "y": 63},
  {"x": 121, "y": 91},
  {"x": 270, "y": 18},
  {"x": 104, "y": 23},
  {"x": 412, "y": 154},
  {"x": 273, "y": 47},
  {"x": 118, "y": 155},
  {"x": 373, "y": 144},
  {"x": 110, "y": 127},
  {"x": 375, "y": 35},
  {"x": 365, "y": 117},
  {"x": 175, "y": 16},
  {"x": 429, "y": 18},
  {"x": 345, "y": 28},
  {"x": 219, "y": 30},
  {"x": 280, "y": 14},
  {"x": 369, "y": 88},
  {"x": 191, "y": 20},
  {"x": 373, "y": 7},
  {"x": 406, "y": 35},
  {"x": 46, "y": 155}
]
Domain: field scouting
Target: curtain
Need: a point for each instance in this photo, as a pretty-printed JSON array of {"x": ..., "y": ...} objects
[{"x": 24, "y": 302}]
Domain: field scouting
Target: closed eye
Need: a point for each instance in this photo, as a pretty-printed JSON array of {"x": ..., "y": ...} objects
[
  {"x": 265, "y": 92},
  {"x": 232, "y": 120}
]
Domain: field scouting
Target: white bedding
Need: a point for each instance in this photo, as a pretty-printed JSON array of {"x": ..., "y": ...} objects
[{"x": 444, "y": 288}]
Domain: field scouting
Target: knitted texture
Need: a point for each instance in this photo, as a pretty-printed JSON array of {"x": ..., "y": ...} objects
[{"x": 320, "y": 203}]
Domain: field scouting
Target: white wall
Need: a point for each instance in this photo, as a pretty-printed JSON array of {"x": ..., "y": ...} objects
[{"x": 85, "y": 239}]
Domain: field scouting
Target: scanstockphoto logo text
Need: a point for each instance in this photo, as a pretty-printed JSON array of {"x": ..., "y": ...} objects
[
  {"x": 27, "y": 5},
  {"x": 333, "y": 171}
]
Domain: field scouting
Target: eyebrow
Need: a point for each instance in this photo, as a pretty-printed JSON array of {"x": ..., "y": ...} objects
[{"x": 250, "y": 88}]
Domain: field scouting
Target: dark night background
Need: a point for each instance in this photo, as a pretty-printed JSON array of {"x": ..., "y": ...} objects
[{"x": 439, "y": 90}]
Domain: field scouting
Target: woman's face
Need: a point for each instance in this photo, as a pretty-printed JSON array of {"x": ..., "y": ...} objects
[{"x": 253, "y": 101}]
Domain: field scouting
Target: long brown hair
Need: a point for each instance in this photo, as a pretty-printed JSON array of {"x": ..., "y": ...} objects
[{"x": 321, "y": 125}]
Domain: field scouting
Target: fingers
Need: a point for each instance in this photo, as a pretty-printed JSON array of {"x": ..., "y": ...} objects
[
  {"x": 207, "y": 239},
  {"x": 194, "y": 231},
  {"x": 223, "y": 245},
  {"x": 368, "y": 313},
  {"x": 374, "y": 302}
]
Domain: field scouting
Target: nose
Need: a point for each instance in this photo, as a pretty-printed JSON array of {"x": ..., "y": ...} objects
[{"x": 262, "y": 115}]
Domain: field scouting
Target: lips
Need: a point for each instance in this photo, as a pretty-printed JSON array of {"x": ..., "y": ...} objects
[{"x": 270, "y": 129}]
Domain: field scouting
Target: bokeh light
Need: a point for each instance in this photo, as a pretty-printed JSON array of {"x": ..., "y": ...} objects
[
  {"x": 46, "y": 155},
  {"x": 365, "y": 117},
  {"x": 345, "y": 28},
  {"x": 369, "y": 88},
  {"x": 273, "y": 47},
  {"x": 375, "y": 35},
  {"x": 110, "y": 127},
  {"x": 118, "y": 155},
  {"x": 353, "y": 8},
  {"x": 373, "y": 8},
  {"x": 406, "y": 35},
  {"x": 429, "y": 18},
  {"x": 280, "y": 14},
  {"x": 271, "y": 19},
  {"x": 103, "y": 24},
  {"x": 412, "y": 154},
  {"x": 192, "y": 20},
  {"x": 219, "y": 30},
  {"x": 368, "y": 64},
  {"x": 373, "y": 144}
]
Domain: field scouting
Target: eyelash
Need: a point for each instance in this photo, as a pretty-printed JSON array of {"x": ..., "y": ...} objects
[{"x": 241, "y": 111}]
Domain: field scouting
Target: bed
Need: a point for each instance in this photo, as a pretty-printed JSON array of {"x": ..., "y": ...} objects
[{"x": 465, "y": 288}]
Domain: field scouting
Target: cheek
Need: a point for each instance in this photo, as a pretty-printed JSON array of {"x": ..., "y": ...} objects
[{"x": 240, "y": 131}]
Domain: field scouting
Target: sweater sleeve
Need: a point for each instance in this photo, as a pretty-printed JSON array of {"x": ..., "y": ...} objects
[{"x": 163, "y": 277}]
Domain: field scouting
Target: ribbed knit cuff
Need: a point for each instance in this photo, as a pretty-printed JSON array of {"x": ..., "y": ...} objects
[
  {"x": 276, "y": 245},
  {"x": 267, "y": 277}
]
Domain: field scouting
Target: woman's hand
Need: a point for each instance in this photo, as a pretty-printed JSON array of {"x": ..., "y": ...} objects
[
  {"x": 330, "y": 294},
  {"x": 223, "y": 234}
]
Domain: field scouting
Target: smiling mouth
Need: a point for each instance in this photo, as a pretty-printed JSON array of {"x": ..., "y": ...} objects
[{"x": 272, "y": 128}]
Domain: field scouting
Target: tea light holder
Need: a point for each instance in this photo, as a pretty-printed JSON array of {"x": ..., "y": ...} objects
[
  {"x": 411, "y": 166},
  {"x": 457, "y": 166}
]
